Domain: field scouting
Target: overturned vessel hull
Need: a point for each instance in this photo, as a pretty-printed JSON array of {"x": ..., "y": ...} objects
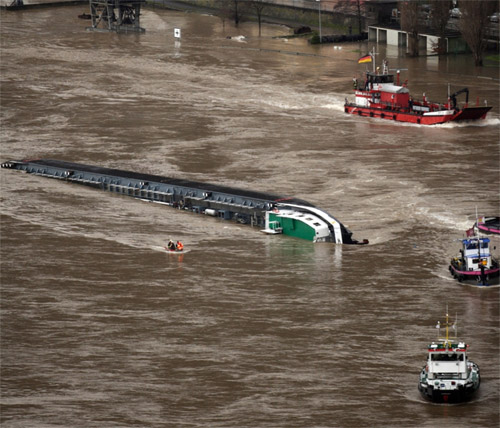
[{"x": 260, "y": 209}]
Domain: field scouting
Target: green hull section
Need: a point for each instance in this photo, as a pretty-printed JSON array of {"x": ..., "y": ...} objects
[{"x": 293, "y": 227}]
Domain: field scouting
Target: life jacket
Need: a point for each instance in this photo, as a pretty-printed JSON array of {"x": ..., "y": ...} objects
[{"x": 179, "y": 246}]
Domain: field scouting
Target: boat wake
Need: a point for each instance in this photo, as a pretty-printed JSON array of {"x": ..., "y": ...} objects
[
  {"x": 493, "y": 121},
  {"x": 443, "y": 219},
  {"x": 158, "y": 248},
  {"x": 480, "y": 286}
]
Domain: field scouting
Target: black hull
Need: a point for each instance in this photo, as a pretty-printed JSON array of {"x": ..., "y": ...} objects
[
  {"x": 445, "y": 396},
  {"x": 485, "y": 279},
  {"x": 472, "y": 113}
]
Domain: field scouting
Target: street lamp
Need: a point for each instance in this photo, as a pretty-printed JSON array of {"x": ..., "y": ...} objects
[{"x": 319, "y": 13}]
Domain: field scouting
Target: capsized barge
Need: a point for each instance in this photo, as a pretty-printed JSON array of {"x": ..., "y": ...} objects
[{"x": 274, "y": 214}]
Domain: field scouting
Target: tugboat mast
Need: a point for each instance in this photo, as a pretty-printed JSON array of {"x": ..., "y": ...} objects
[{"x": 446, "y": 340}]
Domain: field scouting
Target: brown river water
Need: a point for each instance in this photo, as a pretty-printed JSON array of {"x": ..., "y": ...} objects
[{"x": 101, "y": 328}]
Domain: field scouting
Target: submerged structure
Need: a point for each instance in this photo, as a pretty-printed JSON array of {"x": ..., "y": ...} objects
[
  {"x": 274, "y": 214},
  {"x": 116, "y": 15}
]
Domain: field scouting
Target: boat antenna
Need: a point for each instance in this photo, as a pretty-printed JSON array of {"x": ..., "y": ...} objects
[
  {"x": 478, "y": 239},
  {"x": 398, "y": 72},
  {"x": 385, "y": 67},
  {"x": 447, "y": 327},
  {"x": 476, "y": 217},
  {"x": 455, "y": 325},
  {"x": 446, "y": 340},
  {"x": 373, "y": 53}
]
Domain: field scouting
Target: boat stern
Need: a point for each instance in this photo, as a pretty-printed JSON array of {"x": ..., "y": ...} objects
[{"x": 451, "y": 386}]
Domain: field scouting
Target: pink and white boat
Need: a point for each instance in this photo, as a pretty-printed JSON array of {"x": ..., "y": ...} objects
[
  {"x": 475, "y": 264},
  {"x": 488, "y": 225}
]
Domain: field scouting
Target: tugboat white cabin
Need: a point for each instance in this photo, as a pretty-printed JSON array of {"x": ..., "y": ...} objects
[{"x": 475, "y": 263}]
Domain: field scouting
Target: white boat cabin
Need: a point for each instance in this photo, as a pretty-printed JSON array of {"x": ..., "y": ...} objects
[
  {"x": 380, "y": 89},
  {"x": 476, "y": 253},
  {"x": 447, "y": 361}
]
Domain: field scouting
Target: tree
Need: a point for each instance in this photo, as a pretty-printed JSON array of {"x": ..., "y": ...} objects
[
  {"x": 440, "y": 14},
  {"x": 225, "y": 12},
  {"x": 409, "y": 23},
  {"x": 351, "y": 7},
  {"x": 236, "y": 12},
  {"x": 474, "y": 24},
  {"x": 229, "y": 9},
  {"x": 258, "y": 6}
]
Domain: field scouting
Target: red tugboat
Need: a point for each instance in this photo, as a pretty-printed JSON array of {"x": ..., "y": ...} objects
[{"x": 379, "y": 96}]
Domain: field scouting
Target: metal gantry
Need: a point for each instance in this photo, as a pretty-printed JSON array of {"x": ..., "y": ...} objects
[{"x": 116, "y": 15}]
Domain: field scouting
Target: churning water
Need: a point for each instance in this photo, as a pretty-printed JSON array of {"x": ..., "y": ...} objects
[{"x": 101, "y": 328}]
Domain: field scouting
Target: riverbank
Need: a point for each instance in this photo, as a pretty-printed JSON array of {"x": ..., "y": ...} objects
[{"x": 291, "y": 17}]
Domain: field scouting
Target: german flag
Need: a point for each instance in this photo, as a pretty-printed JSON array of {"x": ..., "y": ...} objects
[{"x": 366, "y": 58}]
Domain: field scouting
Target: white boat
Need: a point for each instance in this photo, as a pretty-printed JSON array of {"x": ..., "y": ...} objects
[{"x": 448, "y": 376}]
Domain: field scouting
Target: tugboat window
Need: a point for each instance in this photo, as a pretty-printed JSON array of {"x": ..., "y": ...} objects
[{"x": 445, "y": 357}]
